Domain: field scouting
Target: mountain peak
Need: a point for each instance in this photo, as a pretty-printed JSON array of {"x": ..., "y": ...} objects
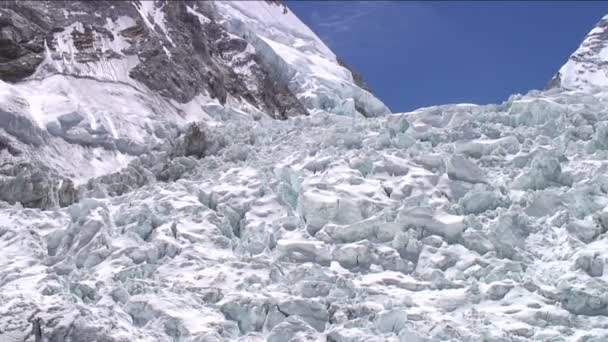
[{"x": 587, "y": 67}]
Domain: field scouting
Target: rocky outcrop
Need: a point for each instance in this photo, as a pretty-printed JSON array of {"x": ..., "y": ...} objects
[
  {"x": 182, "y": 55},
  {"x": 23, "y": 30}
]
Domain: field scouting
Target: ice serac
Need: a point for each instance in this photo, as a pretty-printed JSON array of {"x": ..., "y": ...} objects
[{"x": 587, "y": 67}]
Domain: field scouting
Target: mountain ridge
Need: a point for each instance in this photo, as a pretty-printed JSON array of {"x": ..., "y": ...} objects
[{"x": 587, "y": 67}]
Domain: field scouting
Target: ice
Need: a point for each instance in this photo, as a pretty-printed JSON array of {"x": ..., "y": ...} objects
[
  {"x": 291, "y": 238},
  {"x": 451, "y": 223},
  {"x": 293, "y": 329},
  {"x": 476, "y": 202},
  {"x": 355, "y": 255},
  {"x": 460, "y": 168}
]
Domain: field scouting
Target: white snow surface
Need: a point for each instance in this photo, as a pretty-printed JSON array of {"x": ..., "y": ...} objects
[
  {"x": 449, "y": 223},
  {"x": 333, "y": 228}
]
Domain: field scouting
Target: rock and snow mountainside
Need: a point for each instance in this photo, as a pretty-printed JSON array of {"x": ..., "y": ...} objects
[
  {"x": 587, "y": 68},
  {"x": 449, "y": 223},
  {"x": 89, "y": 85}
]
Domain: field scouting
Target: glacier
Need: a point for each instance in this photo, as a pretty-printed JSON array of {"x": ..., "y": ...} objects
[{"x": 130, "y": 215}]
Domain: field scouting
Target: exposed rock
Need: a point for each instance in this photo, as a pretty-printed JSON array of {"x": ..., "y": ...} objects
[{"x": 196, "y": 64}]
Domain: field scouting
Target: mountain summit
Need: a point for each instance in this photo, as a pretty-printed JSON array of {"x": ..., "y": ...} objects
[{"x": 587, "y": 67}]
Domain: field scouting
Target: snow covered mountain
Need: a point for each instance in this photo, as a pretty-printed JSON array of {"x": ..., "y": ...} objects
[
  {"x": 271, "y": 218},
  {"x": 89, "y": 85},
  {"x": 587, "y": 68}
]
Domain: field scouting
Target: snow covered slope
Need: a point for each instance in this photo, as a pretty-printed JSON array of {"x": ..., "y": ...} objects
[
  {"x": 587, "y": 68},
  {"x": 121, "y": 221},
  {"x": 450, "y": 223}
]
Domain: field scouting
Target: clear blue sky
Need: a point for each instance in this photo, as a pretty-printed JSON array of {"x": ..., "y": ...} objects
[{"x": 416, "y": 54}]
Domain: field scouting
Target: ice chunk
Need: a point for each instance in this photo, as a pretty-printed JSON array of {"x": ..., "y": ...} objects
[
  {"x": 479, "y": 148},
  {"x": 354, "y": 255},
  {"x": 585, "y": 230},
  {"x": 309, "y": 310},
  {"x": 592, "y": 264},
  {"x": 319, "y": 207},
  {"x": 397, "y": 123},
  {"x": 442, "y": 224},
  {"x": 391, "y": 321},
  {"x": 583, "y": 296},
  {"x": 476, "y": 202},
  {"x": 460, "y": 168},
  {"x": 497, "y": 290},
  {"x": 304, "y": 251},
  {"x": 545, "y": 171},
  {"x": 292, "y": 329},
  {"x": 249, "y": 312}
]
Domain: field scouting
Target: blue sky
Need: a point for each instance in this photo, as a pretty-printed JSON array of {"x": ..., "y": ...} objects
[{"x": 416, "y": 54}]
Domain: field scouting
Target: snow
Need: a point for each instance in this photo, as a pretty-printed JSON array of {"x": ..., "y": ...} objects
[
  {"x": 62, "y": 60},
  {"x": 167, "y": 52},
  {"x": 299, "y": 57},
  {"x": 119, "y": 110},
  {"x": 586, "y": 68},
  {"x": 310, "y": 215},
  {"x": 153, "y": 16},
  {"x": 201, "y": 18},
  {"x": 119, "y": 42},
  {"x": 451, "y": 223}
]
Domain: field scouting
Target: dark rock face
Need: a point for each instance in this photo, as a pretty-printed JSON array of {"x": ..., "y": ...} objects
[
  {"x": 22, "y": 34},
  {"x": 183, "y": 58}
]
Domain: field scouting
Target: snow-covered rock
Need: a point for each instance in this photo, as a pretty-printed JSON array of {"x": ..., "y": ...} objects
[{"x": 586, "y": 68}]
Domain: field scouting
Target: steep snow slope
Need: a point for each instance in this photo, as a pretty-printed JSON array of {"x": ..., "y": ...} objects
[{"x": 587, "y": 68}]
